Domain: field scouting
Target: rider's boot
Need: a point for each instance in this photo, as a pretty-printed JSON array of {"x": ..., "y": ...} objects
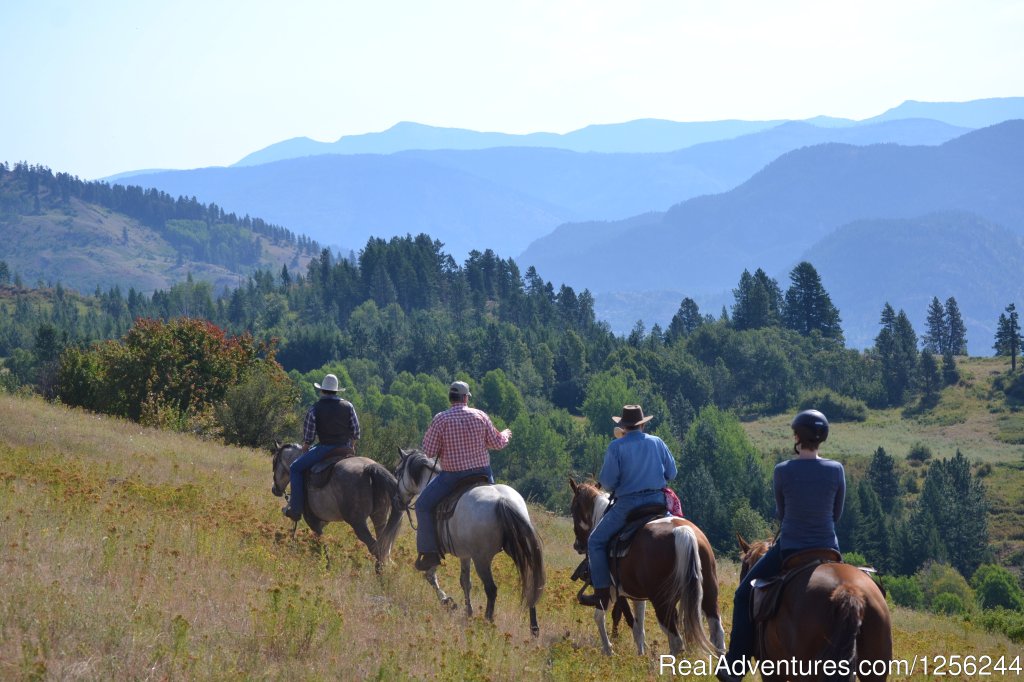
[{"x": 599, "y": 600}]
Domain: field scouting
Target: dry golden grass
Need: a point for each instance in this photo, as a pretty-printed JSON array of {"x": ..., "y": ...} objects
[{"x": 129, "y": 553}]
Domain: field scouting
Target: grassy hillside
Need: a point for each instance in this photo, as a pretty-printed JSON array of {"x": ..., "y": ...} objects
[
  {"x": 56, "y": 228},
  {"x": 972, "y": 416},
  {"x": 84, "y": 247},
  {"x": 130, "y": 553}
]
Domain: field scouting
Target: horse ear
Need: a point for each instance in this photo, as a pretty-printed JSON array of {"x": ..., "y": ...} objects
[
  {"x": 402, "y": 454},
  {"x": 744, "y": 545},
  {"x": 572, "y": 484},
  {"x": 277, "y": 445}
]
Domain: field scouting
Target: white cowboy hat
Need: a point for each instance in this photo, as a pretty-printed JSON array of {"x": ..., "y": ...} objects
[{"x": 330, "y": 384}]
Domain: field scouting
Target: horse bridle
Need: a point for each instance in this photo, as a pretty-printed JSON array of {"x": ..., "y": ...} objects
[{"x": 410, "y": 508}]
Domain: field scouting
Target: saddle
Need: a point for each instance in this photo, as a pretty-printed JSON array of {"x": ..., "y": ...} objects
[
  {"x": 635, "y": 520},
  {"x": 445, "y": 509},
  {"x": 320, "y": 473},
  {"x": 767, "y": 593},
  {"x": 618, "y": 547}
]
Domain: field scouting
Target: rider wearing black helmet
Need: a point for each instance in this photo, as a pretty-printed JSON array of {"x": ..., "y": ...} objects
[{"x": 809, "y": 496}]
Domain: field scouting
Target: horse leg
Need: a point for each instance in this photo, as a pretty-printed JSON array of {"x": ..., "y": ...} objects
[
  {"x": 466, "y": 585},
  {"x": 709, "y": 605},
  {"x": 483, "y": 569},
  {"x": 534, "y": 626},
  {"x": 431, "y": 577},
  {"x": 639, "y": 607},
  {"x": 668, "y": 619},
  {"x": 363, "y": 533},
  {"x": 602, "y": 631}
]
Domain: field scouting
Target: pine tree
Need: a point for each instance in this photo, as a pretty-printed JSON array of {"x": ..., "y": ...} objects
[
  {"x": 758, "y": 301},
  {"x": 884, "y": 480},
  {"x": 950, "y": 374},
  {"x": 929, "y": 380},
  {"x": 808, "y": 307},
  {"x": 936, "y": 339},
  {"x": 955, "y": 329},
  {"x": 873, "y": 537},
  {"x": 896, "y": 346},
  {"x": 1008, "y": 338},
  {"x": 685, "y": 321}
]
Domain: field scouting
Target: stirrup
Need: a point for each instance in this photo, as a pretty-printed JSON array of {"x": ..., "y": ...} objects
[{"x": 600, "y": 599}]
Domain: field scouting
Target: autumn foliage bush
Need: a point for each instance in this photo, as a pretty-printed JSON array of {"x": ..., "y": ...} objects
[{"x": 170, "y": 374}]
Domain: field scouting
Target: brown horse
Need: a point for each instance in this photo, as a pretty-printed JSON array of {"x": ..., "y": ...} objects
[
  {"x": 834, "y": 612},
  {"x": 670, "y": 563}
]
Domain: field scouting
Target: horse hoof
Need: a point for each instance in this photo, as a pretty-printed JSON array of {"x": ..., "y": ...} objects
[{"x": 535, "y": 631}]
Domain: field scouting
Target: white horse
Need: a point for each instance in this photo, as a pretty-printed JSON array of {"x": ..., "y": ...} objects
[{"x": 487, "y": 520}]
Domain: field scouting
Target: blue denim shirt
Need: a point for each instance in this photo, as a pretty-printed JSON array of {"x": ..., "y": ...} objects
[{"x": 635, "y": 463}]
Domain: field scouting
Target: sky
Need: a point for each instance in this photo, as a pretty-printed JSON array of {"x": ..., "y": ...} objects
[{"x": 107, "y": 86}]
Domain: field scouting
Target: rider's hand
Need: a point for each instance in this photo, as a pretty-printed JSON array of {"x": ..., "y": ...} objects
[{"x": 507, "y": 433}]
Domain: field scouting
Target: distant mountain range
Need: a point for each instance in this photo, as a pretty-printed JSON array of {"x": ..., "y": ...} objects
[
  {"x": 906, "y": 262},
  {"x": 644, "y": 135},
  {"x": 901, "y": 207},
  {"x": 798, "y": 199},
  {"x": 502, "y": 198}
]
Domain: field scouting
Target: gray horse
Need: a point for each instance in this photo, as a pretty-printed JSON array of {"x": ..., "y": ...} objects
[
  {"x": 359, "y": 488},
  {"x": 487, "y": 520}
]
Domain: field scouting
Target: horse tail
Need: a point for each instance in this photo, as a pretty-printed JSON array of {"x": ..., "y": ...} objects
[
  {"x": 848, "y": 607},
  {"x": 385, "y": 489},
  {"x": 521, "y": 542},
  {"x": 687, "y": 589}
]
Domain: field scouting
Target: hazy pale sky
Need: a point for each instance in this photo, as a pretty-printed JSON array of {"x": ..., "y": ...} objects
[{"x": 95, "y": 88}]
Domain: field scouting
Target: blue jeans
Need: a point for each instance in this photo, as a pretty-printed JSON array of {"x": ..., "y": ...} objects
[
  {"x": 435, "y": 491},
  {"x": 610, "y": 524},
  {"x": 298, "y": 469},
  {"x": 741, "y": 640}
]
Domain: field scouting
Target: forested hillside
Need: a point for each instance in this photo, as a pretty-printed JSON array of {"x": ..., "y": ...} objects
[
  {"x": 85, "y": 235},
  {"x": 401, "y": 320}
]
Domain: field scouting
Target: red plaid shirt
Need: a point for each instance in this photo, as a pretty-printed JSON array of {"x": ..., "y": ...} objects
[{"x": 460, "y": 438}]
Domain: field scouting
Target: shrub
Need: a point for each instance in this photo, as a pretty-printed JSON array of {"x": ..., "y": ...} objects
[
  {"x": 997, "y": 587},
  {"x": 1010, "y": 623},
  {"x": 920, "y": 453},
  {"x": 948, "y": 604},
  {"x": 855, "y": 559},
  {"x": 748, "y": 523},
  {"x": 904, "y": 590},
  {"x": 938, "y": 579},
  {"x": 166, "y": 373},
  {"x": 838, "y": 408},
  {"x": 260, "y": 409}
]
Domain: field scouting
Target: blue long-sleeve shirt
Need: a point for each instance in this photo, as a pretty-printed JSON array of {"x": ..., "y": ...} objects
[
  {"x": 636, "y": 462},
  {"x": 809, "y": 499}
]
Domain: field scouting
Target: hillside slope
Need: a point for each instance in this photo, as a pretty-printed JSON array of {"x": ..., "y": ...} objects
[
  {"x": 907, "y": 262},
  {"x": 130, "y": 552},
  {"x": 62, "y": 233}
]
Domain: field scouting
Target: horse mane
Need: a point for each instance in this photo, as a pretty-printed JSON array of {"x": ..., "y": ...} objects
[
  {"x": 586, "y": 494},
  {"x": 416, "y": 461},
  {"x": 755, "y": 551}
]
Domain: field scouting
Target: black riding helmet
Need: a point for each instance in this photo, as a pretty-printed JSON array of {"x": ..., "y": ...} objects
[{"x": 810, "y": 426}]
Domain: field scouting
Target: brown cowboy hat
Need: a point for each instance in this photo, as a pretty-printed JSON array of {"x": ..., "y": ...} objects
[{"x": 632, "y": 415}]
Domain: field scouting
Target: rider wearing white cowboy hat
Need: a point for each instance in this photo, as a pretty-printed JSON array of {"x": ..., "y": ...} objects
[
  {"x": 333, "y": 422},
  {"x": 636, "y": 467}
]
